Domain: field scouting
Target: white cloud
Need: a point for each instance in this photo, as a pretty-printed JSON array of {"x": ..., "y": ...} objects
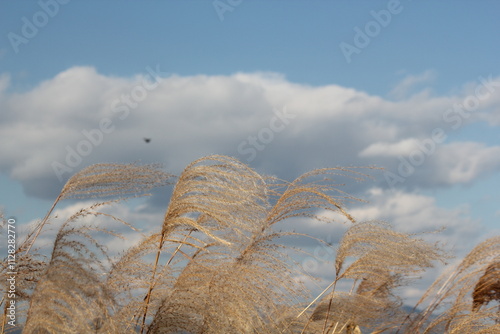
[
  {"x": 425, "y": 163},
  {"x": 189, "y": 117},
  {"x": 416, "y": 213}
]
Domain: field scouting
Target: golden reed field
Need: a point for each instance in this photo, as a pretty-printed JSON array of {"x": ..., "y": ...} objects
[{"x": 217, "y": 262}]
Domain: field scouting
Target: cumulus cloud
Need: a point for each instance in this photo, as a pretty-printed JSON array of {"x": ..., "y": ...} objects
[
  {"x": 425, "y": 163},
  {"x": 80, "y": 117}
]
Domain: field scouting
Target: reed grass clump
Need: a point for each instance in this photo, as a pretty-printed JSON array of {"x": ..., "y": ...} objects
[{"x": 218, "y": 261}]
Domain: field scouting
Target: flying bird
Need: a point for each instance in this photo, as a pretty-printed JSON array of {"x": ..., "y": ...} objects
[{"x": 147, "y": 140}]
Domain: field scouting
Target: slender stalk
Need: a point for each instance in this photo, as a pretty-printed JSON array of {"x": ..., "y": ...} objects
[
  {"x": 303, "y": 329},
  {"x": 422, "y": 316},
  {"x": 341, "y": 328},
  {"x": 335, "y": 327},
  {"x": 329, "y": 306},
  {"x": 152, "y": 283},
  {"x": 315, "y": 299},
  {"x": 42, "y": 223}
]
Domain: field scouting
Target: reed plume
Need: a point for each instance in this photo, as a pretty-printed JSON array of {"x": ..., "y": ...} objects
[
  {"x": 382, "y": 259},
  {"x": 213, "y": 194},
  {"x": 104, "y": 180},
  {"x": 70, "y": 296},
  {"x": 231, "y": 284},
  {"x": 465, "y": 292},
  {"x": 216, "y": 263},
  {"x": 487, "y": 288}
]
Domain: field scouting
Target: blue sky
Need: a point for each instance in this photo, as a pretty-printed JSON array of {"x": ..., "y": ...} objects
[
  {"x": 222, "y": 81},
  {"x": 300, "y": 39}
]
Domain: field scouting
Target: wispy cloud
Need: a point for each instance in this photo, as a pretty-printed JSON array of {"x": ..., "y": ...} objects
[{"x": 408, "y": 85}]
